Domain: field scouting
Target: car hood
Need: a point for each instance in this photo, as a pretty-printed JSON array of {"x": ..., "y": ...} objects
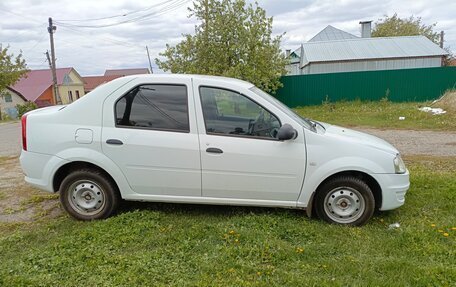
[{"x": 359, "y": 138}]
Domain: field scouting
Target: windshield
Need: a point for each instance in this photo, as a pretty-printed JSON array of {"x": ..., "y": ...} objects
[{"x": 303, "y": 121}]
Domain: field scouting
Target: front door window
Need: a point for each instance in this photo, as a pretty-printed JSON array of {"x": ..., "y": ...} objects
[{"x": 230, "y": 113}]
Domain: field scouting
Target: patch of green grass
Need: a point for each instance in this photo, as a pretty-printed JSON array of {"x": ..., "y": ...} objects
[
  {"x": 193, "y": 245},
  {"x": 38, "y": 198},
  {"x": 382, "y": 114}
]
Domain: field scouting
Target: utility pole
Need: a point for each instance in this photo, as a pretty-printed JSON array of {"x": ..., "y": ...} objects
[
  {"x": 51, "y": 30},
  {"x": 442, "y": 34},
  {"x": 148, "y": 57}
]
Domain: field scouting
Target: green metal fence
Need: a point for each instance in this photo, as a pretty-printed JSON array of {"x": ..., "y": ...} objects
[{"x": 398, "y": 85}]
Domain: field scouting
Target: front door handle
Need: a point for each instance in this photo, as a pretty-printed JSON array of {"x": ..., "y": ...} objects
[
  {"x": 114, "y": 142},
  {"x": 214, "y": 150}
]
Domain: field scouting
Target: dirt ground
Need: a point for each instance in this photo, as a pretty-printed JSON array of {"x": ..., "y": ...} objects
[
  {"x": 22, "y": 203},
  {"x": 409, "y": 142}
]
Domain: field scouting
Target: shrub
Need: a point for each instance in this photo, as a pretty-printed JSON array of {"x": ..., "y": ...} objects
[{"x": 26, "y": 107}]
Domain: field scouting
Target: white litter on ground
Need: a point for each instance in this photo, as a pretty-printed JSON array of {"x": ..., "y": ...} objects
[
  {"x": 434, "y": 111},
  {"x": 394, "y": 225}
]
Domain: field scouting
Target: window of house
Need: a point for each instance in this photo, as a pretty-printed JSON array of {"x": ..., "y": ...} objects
[
  {"x": 231, "y": 113},
  {"x": 8, "y": 98},
  {"x": 161, "y": 107},
  {"x": 77, "y": 94},
  {"x": 70, "y": 96}
]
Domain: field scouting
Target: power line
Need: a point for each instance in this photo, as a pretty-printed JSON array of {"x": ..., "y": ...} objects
[
  {"x": 36, "y": 44},
  {"x": 114, "y": 16},
  {"x": 113, "y": 41},
  {"x": 22, "y": 16},
  {"x": 172, "y": 5}
]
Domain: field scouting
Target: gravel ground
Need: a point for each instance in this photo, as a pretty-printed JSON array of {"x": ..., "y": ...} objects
[
  {"x": 10, "y": 134},
  {"x": 410, "y": 142}
]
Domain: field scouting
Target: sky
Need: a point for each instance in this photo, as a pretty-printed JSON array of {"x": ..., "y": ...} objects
[{"x": 92, "y": 50}]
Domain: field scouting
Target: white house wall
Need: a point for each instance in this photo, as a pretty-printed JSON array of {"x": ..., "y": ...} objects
[
  {"x": 292, "y": 69},
  {"x": 371, "y": 65}
]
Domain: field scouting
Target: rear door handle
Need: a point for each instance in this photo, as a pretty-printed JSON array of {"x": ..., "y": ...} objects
[
  {"x": 214, "y": 150},
  {"x": 114, "y": 142}
]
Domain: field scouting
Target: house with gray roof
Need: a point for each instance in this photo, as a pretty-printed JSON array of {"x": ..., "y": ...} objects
[{"x": 333, "y": 50}]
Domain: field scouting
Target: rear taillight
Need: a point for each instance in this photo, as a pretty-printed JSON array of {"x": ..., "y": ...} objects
[{"x": 24, "y": 132}]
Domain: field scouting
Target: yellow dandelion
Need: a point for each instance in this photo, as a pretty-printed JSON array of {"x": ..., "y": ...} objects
[
  {"x": 446, "y": 234},
  {"x": 453, "y": 228},
  {"x": 258, "y": 273},
  {"x": 231, "y": 232},
  {"x": 432, "y": 225},
  {"x": 440, "y": 230},
  {"x": 236, "y": 240},
  {"x": 299, "y": 250}
]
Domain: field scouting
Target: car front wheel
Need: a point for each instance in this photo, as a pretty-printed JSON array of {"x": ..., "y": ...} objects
[
  {"x": 88, "y": 194},
  {"x": 345, "y": 200}
]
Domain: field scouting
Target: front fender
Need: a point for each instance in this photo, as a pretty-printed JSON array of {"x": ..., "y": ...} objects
[{"x": 317, "y": 173}]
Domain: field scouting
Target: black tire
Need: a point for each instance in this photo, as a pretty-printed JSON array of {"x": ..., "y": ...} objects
[
  {"x": 88, "y": 194},
  {"x": 345, "y": 200}
]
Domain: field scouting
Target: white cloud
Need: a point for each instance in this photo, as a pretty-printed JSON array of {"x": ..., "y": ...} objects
[{"x": 91, "y": 51}]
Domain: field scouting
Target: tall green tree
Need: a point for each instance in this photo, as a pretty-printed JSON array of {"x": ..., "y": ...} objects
[
  {"x": 233, "y": 39},
  {"x": 11, "y": 68},
  {"x": 411, "y": 26}
]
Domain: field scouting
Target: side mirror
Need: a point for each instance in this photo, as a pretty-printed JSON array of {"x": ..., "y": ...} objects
[{"x": 287, "y": 132}]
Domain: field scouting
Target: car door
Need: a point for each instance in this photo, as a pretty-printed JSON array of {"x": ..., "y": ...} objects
[
  {"x": 150, "y": 132},
  {"x": 240, "y": 155}
]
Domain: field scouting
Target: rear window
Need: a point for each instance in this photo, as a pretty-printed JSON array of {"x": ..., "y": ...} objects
[{"x": 161, "y": 107}]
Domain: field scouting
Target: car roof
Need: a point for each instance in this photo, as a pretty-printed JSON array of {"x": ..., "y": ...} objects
[{"x": 195, "y": 77}]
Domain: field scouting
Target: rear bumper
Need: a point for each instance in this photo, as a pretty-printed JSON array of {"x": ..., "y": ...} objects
[
  {"x": 394, "y": 187},
  {"x": 39, "y": 169}
]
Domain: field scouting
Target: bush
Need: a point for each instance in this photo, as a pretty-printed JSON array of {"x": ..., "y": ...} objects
[
  {"x": 5, "y": 117},
  {"x": 26, "y": 107}
]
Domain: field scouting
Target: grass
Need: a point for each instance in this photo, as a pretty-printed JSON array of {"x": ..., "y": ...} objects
[
  {"x": 188, "y": 245},
  {"x": 8, "y": 120},
  {"x": 383, "y": 114}
]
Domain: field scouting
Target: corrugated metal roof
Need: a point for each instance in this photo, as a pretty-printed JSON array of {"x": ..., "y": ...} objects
[
  {"x": 91, "y": 82},
  {"x": 369, "y": 48},
  {"x": 331, "y": 33},
  {"x": 35, "y": 82}
]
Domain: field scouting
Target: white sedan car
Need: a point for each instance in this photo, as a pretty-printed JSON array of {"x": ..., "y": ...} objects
[{"x": 206, "y": 140}]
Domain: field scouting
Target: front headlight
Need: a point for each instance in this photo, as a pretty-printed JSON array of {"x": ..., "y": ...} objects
[{"x": 399, "y": 165}]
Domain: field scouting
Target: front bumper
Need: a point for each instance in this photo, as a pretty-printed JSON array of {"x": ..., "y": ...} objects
[{"x": 394, "y": 187}]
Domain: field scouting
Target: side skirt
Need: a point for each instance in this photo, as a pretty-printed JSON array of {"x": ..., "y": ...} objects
[{"x": 212, "y": 200}]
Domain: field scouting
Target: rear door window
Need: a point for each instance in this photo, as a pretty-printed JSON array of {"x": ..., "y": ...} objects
[{"x": 159, "y": 107}]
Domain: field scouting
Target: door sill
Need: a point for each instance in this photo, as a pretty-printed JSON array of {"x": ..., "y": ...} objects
[{"x": 211, "y": 200}]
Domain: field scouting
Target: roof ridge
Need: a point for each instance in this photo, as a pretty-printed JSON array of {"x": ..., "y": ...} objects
[
  {"x": 331, "y": 29},
  {"x": 365, "y": 39}
]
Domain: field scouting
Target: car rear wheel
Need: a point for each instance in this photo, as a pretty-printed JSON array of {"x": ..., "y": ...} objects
[
  {"x": 88, "y": 194},
  {"x": 345, "y": 200}
]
